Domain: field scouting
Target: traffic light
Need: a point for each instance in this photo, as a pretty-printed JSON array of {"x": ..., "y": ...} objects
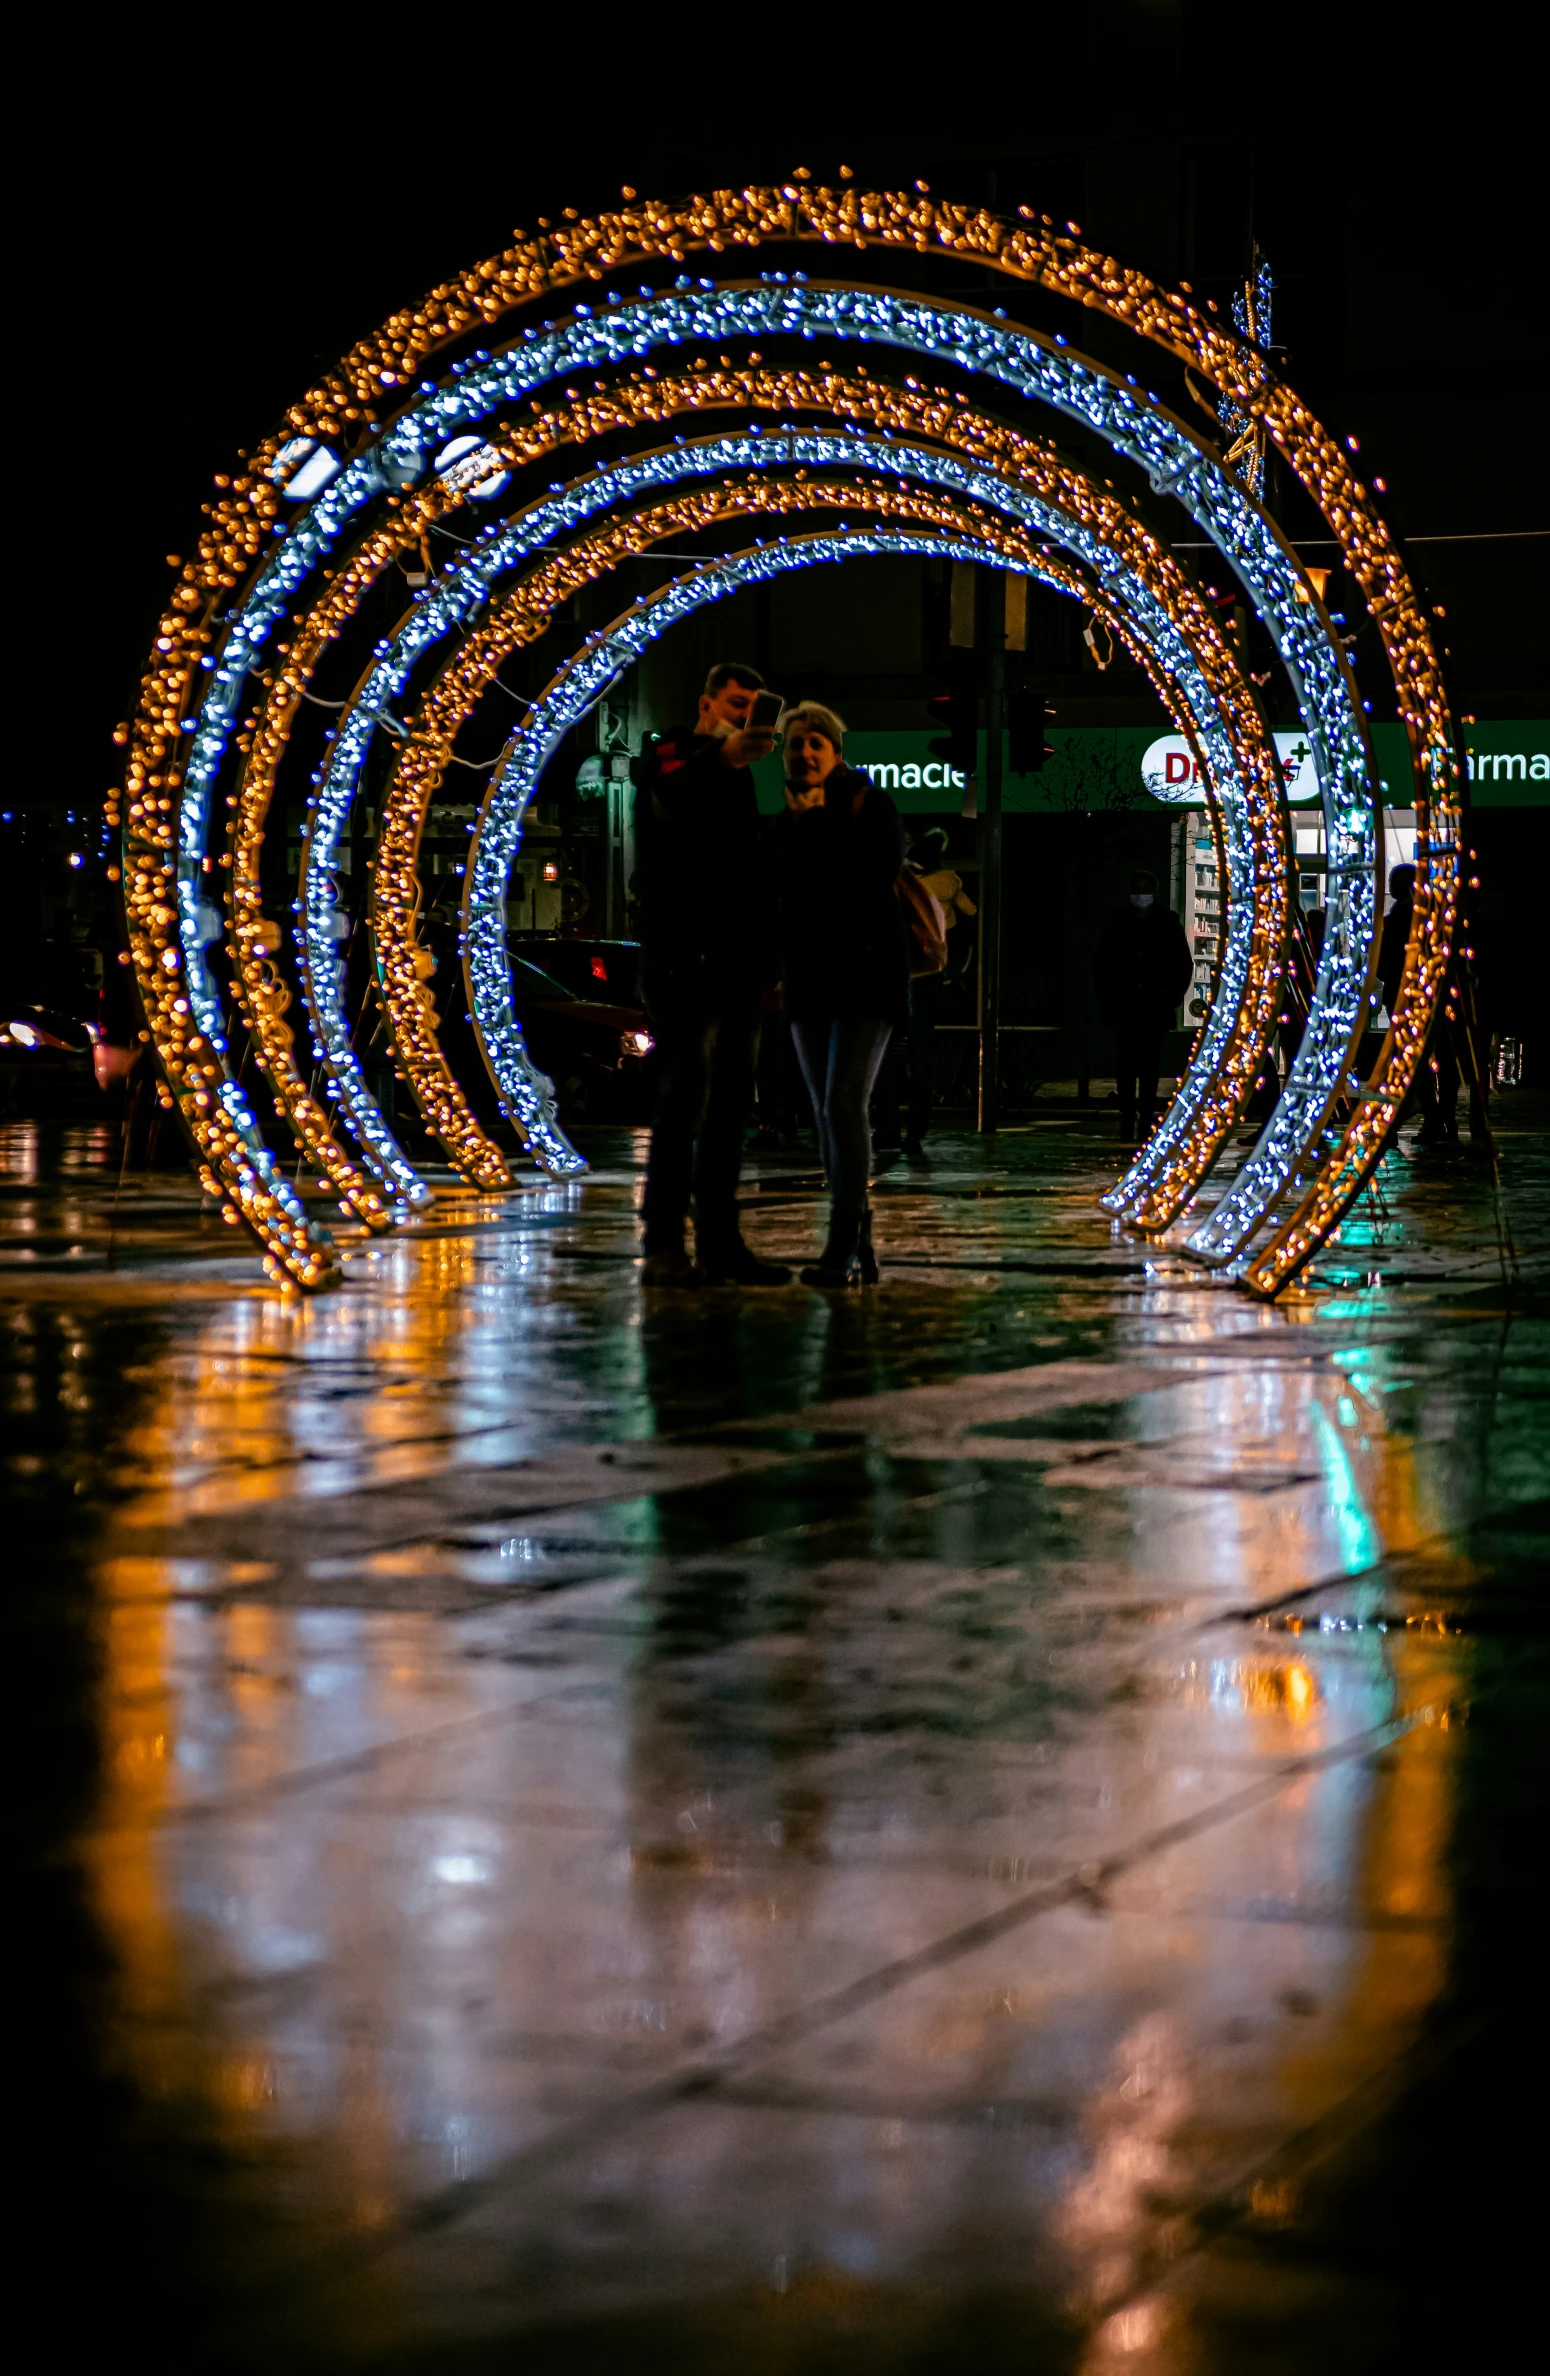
[
  {"x": 1026, "y": 713},
  {"x": 958, "y": 709}
]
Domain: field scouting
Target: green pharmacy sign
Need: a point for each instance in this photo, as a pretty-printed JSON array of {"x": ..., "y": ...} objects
[{"x": 1117, "y": 767}]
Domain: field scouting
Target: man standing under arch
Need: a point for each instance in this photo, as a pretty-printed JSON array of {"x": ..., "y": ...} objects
[{"x": 708, "y": 948}]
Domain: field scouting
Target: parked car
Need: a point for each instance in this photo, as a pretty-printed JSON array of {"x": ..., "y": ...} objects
[
  {"x": 606, "y": 969},
  {"x": 597, "y": 1051},
  {"x": 46, "y": 1059}
]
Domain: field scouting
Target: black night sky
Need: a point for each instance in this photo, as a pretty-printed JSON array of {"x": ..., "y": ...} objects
[{"x": 206, "y": 226}]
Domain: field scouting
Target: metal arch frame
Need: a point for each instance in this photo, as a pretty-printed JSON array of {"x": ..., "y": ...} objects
[{"x": 158, "y": 865}]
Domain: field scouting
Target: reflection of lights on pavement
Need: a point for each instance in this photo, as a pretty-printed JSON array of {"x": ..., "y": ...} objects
[
  {"x": 460, "y": 1871},
  {"x": 1257, "y": 1686},
  {"x": 1130, "y": 2330},
  {"x": 1137, "y": 2118},
  {"x": 244, "y": 2083},
  {"x": 1360, "y": 1545},
  {"x": 1273, "y": 2202}
]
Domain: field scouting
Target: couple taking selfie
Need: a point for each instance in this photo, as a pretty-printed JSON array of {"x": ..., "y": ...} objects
[{"x": 729, "y": 905}]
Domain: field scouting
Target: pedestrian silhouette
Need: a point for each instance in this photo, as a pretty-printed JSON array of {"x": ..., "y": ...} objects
[{"x": 1141, "y": 970}]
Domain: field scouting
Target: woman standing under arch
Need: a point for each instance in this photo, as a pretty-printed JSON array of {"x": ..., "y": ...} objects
[{"x": 845, "y": 964}]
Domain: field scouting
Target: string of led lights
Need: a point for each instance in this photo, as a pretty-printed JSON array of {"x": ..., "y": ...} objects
[
  {"x": 262, "y": 996},
  {"x": 279, "y": 526}
]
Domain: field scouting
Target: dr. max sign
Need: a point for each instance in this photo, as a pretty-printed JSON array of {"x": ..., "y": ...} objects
[{"x": 1169, "y": 772}]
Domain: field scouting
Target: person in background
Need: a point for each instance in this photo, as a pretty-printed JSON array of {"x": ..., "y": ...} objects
[
  {"x": 933, "y": 898},
  {"x": 706, "y": 921},
  {"x": 1449, "y": 1049},
  {"x": 836, "y": 857},
  {"x": 1141, "y": 971},
  {"x": 1396, "y": 932},
  {"x": 941, "y": 883}
]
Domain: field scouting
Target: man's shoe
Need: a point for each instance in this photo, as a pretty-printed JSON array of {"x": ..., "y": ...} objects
[
  {"x": 740, "y": 1266},
  {"x": 671, "y": 1270}
]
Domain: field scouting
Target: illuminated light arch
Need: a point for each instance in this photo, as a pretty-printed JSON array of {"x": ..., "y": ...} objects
[
  {"x": 252, "y": 933},
  {"x": 165, "y": 803},
  {"x": 1158, "y": 1184},
  {"x": 1241, "y": 748},
  {"x": 964, "y": 336},
  {"x": 1109, "y": 530},
  {"x": 1087, "y": 393}
]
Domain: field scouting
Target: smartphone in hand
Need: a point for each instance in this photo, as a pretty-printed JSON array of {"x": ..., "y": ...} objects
[{"x": 766, "y": 709}]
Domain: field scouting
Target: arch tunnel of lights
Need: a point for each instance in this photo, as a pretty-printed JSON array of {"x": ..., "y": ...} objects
[{"x": 797, "y": 377}]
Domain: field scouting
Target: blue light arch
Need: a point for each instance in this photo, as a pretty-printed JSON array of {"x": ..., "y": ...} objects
[{"x": 220, "y": 632}]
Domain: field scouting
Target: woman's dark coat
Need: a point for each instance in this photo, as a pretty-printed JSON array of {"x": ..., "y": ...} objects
[{"x": 844, "y": 942}]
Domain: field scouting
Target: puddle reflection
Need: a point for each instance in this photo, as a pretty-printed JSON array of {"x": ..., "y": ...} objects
[{"x": 444, "y": 1833}]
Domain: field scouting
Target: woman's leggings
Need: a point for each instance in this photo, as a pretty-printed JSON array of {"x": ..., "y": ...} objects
[{"x": 839, "y": 1056}]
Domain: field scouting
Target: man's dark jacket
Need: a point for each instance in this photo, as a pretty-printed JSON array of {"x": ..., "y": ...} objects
[
  {"x": 1142, "y": 968},
  {"x": 705, "y": 910}
]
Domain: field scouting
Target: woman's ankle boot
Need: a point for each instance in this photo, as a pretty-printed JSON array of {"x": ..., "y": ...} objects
[{"x": 838, "y": 1265}]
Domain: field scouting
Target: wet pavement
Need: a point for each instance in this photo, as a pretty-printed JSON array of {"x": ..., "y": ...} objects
[{"x": 983, "y": 1824}]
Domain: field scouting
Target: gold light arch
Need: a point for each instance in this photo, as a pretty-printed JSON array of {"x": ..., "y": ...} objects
[{"x": 175, "y": 753}]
